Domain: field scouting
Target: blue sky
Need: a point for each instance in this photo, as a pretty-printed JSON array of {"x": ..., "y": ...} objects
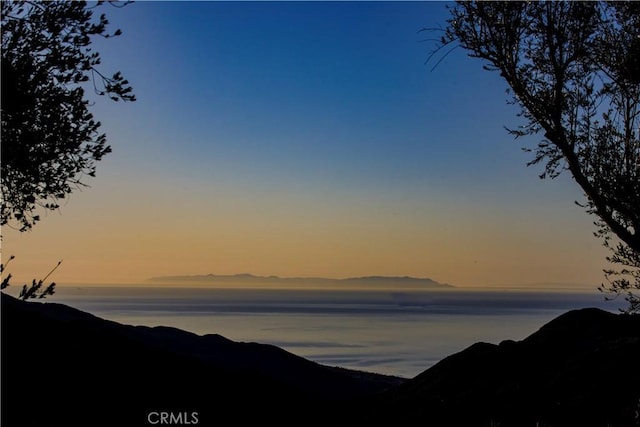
[{"x": 308, "y": 138}]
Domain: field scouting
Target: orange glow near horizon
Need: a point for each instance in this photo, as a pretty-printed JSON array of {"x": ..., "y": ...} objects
[{"x": 103, "y": 239}]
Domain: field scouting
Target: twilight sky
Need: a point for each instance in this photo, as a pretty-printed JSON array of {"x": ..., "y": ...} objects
[{"x": 307, "y": 139}]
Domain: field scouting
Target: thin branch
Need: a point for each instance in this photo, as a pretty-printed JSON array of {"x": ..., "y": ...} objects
[
  {"x": 438, "y": 49},
  {"x": 52, "y": 270}
]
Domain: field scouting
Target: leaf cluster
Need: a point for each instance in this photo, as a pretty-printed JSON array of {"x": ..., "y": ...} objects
[
  {"x": 50, "y": 139},
  {"x": 37, "y": 289}
]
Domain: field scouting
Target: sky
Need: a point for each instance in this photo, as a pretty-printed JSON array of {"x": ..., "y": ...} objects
[{"x": 307, "y": 139}]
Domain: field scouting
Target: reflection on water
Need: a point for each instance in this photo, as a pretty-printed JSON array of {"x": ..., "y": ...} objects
[{"x": 391, "y": 332}]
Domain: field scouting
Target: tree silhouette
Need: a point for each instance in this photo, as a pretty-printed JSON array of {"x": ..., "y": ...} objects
[
  {"x": 573, "y": 68},
  {"x": 50, "y": 140}
]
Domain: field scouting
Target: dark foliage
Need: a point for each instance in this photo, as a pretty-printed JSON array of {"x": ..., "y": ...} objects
[
  {"x": 574, "y": 69},
  {"x": 37, "y": 289},
  {"x": 50, "y": 139}
]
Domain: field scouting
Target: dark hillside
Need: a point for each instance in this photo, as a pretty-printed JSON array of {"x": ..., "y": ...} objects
[
  {"x": 580, "y": 369},
  {"x": 64, "y": 367}
]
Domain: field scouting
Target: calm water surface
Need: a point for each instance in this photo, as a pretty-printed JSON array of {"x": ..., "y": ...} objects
[{"x": 390, "y": 332}]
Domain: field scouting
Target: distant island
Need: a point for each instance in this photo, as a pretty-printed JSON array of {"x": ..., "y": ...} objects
[{"x": 250, "y": 280}]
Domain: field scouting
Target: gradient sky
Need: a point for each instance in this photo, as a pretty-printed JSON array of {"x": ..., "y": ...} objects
[{"x": 307, "y": 139}]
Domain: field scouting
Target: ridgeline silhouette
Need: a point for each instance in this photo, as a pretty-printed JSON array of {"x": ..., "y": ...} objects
[{"x": 576, "y": 370}]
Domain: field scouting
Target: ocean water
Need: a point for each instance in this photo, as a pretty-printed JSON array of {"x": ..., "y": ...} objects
[{"x": 385, "y": 331}]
